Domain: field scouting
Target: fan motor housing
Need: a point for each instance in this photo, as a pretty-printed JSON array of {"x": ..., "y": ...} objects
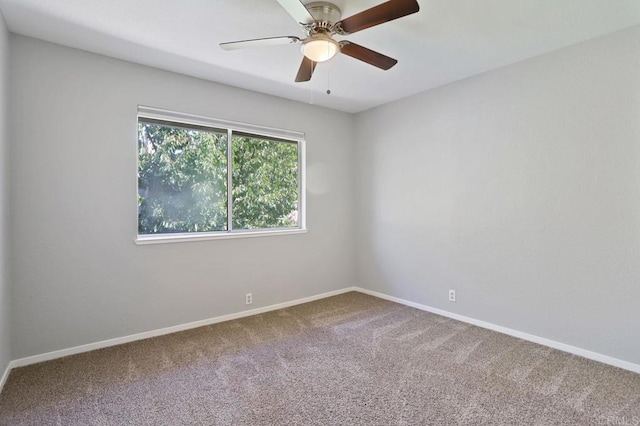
[{"x": 324, "y": 13}]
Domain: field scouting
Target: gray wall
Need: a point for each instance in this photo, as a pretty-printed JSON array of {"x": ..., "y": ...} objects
[
  {"x": 78, "y": 277},
  {"x": 5, "y": 349},
  {"x": 520, "y": 189}
]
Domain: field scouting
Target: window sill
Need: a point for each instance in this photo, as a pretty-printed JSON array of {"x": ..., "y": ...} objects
[{"x": 183, "y": 238}]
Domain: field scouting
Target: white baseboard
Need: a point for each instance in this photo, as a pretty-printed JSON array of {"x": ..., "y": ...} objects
[
  {"x": 515, "y": 333},
  {"x": 168, "y": 330},
  {"x": 5, "y": 375}
]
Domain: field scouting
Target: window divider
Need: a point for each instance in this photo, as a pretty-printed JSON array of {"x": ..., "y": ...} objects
[{"x": 229, "y": 180}]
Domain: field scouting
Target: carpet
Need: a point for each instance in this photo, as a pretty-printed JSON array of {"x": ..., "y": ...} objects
[{"x": 351, "y": 359}]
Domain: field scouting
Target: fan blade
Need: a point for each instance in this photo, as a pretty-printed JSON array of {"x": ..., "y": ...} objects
[
  {"x": 367, "y": 55},
  {"x": 306, "y": 70},
  {"x": 298, "y": 11},
  {"x": 259, "y": 42},
  {"x": 385, "y": 12}
]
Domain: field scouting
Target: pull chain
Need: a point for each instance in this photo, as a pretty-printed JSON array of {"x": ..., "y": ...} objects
[{"x": 329, "y": 65}]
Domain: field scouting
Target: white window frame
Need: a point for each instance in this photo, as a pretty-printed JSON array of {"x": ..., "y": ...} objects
[{"x": 230, "y": 126}]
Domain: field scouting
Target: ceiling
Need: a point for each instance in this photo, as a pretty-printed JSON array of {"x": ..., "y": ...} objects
[{"x": 447, "y": 40}]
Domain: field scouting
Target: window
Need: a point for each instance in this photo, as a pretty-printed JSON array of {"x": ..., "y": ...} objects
[{"x": 202, "y": 178}]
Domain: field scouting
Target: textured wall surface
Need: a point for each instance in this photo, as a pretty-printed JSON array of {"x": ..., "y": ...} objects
[
  {"x": 79, "y": 277},
  {"x": 519, "y": 188}
]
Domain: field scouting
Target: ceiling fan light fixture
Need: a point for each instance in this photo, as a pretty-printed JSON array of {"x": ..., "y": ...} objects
[
  {"x": 321, "y": 20},
  {"x": 320, "y": 48}
]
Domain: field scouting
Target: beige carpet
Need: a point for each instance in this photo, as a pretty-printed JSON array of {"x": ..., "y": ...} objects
[{"x": 347, "y": 360}]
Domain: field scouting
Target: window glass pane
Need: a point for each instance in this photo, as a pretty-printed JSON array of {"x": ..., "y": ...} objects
[
  {"x": 182, "y": 179},
  {"x": 265, "y": 183}
]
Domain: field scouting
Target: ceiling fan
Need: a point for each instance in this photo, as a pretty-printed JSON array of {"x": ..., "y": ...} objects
[{"x": 320, "y": 21}]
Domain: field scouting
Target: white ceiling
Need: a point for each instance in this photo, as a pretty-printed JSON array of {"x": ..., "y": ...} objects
[{"x": 446, "y": 41}]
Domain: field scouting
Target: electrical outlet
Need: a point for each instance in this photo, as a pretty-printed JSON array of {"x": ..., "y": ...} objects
[
  {"x": 452, "y": 295},
  {"x": 248, "y": 298}
]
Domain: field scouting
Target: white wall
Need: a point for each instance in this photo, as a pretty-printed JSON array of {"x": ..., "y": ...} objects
[
  {"x": 520, "y": 189},
  {"x": 5, "y": 349},
  {"x": 78, "y": 277}
]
